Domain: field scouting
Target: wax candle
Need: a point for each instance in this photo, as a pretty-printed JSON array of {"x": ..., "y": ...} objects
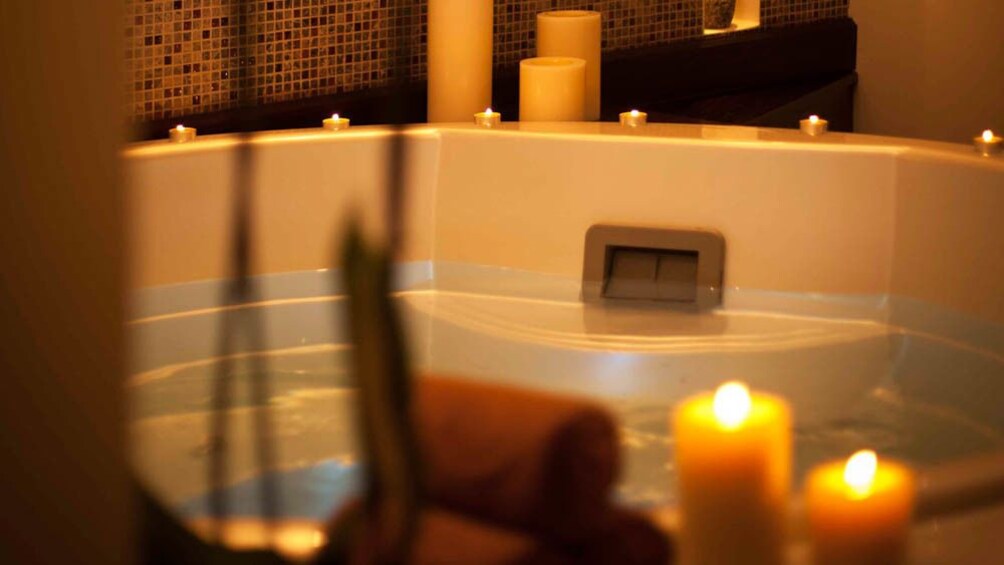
[
  {"x": 460, "y": 58},
  {"x": 733, "y": 460},
  {"x": 989, "y": 144},
  {"x": 335, "y": 123},
  {"x": 634, "y": 118},
  {"x": 814, "y": 126},
  {"x": 574, "y": 33},
  {"x": 859, "y": 511},
  {"x": 488, "y": 118},
  {"x": 552, "y": 89},
  {"x": 181, "y": 134}
]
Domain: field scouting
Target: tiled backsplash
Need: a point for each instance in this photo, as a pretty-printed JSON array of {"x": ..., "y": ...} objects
[{"x": 182, "y": 56}]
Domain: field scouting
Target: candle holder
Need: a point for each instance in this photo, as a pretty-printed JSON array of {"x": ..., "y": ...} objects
[
  {"x": 336, "y": 123},
  {"x": 181, "y": 134},
  {"x": 988, "y": 144},
  {"x": 634, "y": 118},
  {"x": 814, "y": 126},
  {"x": 488, "y": 119}
]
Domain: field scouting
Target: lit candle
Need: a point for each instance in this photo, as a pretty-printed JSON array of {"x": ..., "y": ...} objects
[
  {"x": 181, "y": 134},
  {"x": 814, "y": 125},
  {"x": 989, "y": 144},
  {"x": 488, "y": 118},
  {"x": 336, "y": 123},
  {"x": 634, "y": 118},
  {"x": 552, "y": 89},
  {"x": 459, "y": 58},
  {"x": 574, "y": 33},
  {"x": 859, "y": 511},
  {"x": 733, "y": 460}
]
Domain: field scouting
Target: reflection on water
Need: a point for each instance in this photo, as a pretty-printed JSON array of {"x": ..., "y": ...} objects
[{"x": 853, "y": 382}]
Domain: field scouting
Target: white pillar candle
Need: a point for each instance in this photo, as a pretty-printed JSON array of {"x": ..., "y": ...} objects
[
  {"x": 733, "y": 460},
  {"x": 181, "y": 134},
  {"x": 989, "y": 144},
  {"x": 552, "y": 89},
  {"x": 574, "y": 33},
  {"x": 634, "y": 118},
  {"x": 859, "y": 511},
  {"x": 460, "y": 58},
  {"x": 814, "y": 126},
  {"x": 488, "y": 118},
  {"x": 336, "y": 123}
]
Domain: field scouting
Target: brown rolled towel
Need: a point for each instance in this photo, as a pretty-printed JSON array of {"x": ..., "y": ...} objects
[
  {"x": 527, "y": 461},
  {"x": 446, "y": 538},
  {"x": 629, "y": 538}
]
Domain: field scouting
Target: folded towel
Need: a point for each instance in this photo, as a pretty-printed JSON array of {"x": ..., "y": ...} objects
[{"x": 527, "y": 461}]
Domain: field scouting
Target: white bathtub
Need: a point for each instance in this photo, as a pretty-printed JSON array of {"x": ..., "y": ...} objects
[{"x": 862, "y": 275}]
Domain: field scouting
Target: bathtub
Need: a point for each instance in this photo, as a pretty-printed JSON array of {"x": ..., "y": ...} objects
[{"x": 862, "y": 281}]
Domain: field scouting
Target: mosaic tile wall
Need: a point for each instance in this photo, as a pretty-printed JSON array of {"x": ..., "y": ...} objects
[
  {"x": 183, "y": 56},
  {"x": 790, "y": 12}
]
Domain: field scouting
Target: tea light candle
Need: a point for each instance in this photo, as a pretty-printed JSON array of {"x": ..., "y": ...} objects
[
  {"x": 814, "y": 125},
  {"x": 733, "y": 459},
  {"x": 336, "y": 123},
  {"x": 989, "y": 144},
  {"x": 552, "y": 89},
  {"x": 181, "y": 134},
  {"x": 574, "y": 33},
  {"x": 634, "y": 118},
  {"x": 859, "y": 511},
  {"x": 488, "y": 118}
]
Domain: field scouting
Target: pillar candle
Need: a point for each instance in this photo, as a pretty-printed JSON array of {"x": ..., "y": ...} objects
[
  {"x": 574, "y": 33},
  {"x": 460, "y": 58},
  {"x": 859, "y": 512},
  {"x": 733, "y": 459},
  {"x": 552, "y": 89}
]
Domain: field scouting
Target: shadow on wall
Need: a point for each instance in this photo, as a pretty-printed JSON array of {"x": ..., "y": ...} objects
[{"x": 930, "y": 69}]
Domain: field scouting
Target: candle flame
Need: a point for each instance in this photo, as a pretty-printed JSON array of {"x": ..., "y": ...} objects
[
  {"x": 732, "y": 404},
  {"x": 813, "y": 119},
  {"x": 859, "y": 473},
  {"x": 488, "y": 112},
  {"x": 988, "y": 136},
  {"x": 635, "y": 113},
  {"x": 335, "y": 117},
  {"x": 180, "y": 127}
]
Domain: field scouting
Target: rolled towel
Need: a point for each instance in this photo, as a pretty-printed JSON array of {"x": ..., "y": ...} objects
[
  {"x": 445, "y": 538},
  {"x": 442, "y": 538},
  {"x": 524, "y": 460},
  {"x": 629, "y": 539}
]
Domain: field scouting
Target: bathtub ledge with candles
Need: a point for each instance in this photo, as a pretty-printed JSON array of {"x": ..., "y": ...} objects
[{"x": 823, "y": 352}]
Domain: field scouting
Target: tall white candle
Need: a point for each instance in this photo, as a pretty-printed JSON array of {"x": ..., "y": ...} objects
[
  {"x": 733, "y": 459},
  {"x": 574, "y": 33},
  {"x": 552, "y": 89},
  {"x": 460, "y": 59}
]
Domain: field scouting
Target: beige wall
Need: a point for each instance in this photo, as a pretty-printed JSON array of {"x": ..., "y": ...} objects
[
  {"x": 930, "y": 68},
  {"x": 63, "y": 480}
]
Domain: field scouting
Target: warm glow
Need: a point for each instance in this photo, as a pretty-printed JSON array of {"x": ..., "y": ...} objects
[
  {"x": 335, "y": 117},
  {"x": 488, "y": 112},
  {"x": 813, "y": 119},
  {"x": 635, "y": 113},
  {"x": 181, "y": 127},
  {"x": 859, "y": 473},
  {"x": 988, "y": 136},
  {"x": 732, "y": 404}
]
